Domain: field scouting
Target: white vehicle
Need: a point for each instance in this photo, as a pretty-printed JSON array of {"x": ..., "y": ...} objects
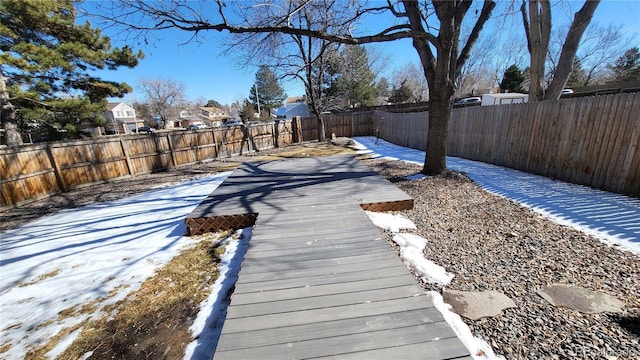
[
  {"x": 233, "y": 123},
  {"x": 469, "y": 101},
  {"x": 196, "y": 126}
]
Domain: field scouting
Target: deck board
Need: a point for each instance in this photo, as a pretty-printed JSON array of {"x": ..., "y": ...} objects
[{"x": 318, "y": 279}]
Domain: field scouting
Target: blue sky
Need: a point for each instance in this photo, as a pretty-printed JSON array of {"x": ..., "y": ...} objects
[{"x": 208, "y": 75}]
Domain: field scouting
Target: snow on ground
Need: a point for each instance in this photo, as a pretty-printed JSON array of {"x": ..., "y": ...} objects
[
  {"x": 478, "y": 348},
  {"x": 411, "y": 247},
  {"x": 100, "y": 252},
  {"x": 612, "y": 218},
  {"x": 207, "y": 326}
]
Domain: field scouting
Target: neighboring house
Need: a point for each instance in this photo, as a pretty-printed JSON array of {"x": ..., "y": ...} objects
[
  {"x": 121, "y": 118},
  {"x": 294, "y": 106},
  {"x": 382, "y": 100},
  {"x": 212, "y": 116},
  {"x": 188, "y": 117}
]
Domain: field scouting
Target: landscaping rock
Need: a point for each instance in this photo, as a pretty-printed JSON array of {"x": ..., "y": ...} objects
[
  {"x": 475, "y": 305},
  {"x": 342, "y": 141},
  {"x": 581, "y": 299}
]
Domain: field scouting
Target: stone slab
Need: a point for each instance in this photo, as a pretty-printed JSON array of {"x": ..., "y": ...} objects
[
  {"x": 475, "y": 305},
  {"x": 581, "y": 299}
]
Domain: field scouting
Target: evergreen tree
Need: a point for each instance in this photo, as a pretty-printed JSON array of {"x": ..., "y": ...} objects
[
  {"x": 352, "y": 78},
  {"x": 627, "y": 67},
  {"x": 247, "y": 111},
  {"x": 269, "y": 91},
  {"x": 46, "y": 59},
  {"x": 578, "y": 76},
  {"x": 213, "y": 103},
  {"x": 512, "y": 80},
  {"x": 401, "y": 94},
  {"x": 382, "y": 87}
]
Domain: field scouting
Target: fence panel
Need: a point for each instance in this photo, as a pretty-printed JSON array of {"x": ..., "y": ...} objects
[
  {"x": 26, "y": 173},
  {"x": 594, "y": 141},
  {"x": 578, "y": 140},
  {"x": 35, "y": 171}
]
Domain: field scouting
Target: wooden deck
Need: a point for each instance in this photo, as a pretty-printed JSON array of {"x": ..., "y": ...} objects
[{"x": 318, "y": 279}]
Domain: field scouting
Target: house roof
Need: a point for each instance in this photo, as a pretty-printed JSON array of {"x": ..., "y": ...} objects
[
  {"x": 295, "y": 109},
  {"x": 112, "y": 105},
  {"x": 296, "y": 99},
  {"x": 211, "y": 109}
]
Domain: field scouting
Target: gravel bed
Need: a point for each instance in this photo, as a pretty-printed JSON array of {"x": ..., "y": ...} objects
[
  {"x": 491, "y": 243},
  {"x": 488, "y": 242}
]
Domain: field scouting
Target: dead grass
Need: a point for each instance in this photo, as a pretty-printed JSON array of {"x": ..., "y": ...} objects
[
  {"x": 153, "y": 322},
  {"x": 306, "y": 150},
  {"x": 41, "y": 277}
]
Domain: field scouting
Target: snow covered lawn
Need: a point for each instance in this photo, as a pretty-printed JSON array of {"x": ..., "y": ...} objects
[{"x": 97, "y": 253}]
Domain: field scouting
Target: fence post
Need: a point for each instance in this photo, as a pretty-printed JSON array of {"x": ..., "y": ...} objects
[
  {"x": 297, "y": 130},
  {"x": 61, "y": 183},
  {"x": 173, "y": 155},
  {"x": 352, "y": 126},
  {"x": 125, "y": 151},
  {"x": 276, "y": 133},
  {"x": 215, "y": 143}
]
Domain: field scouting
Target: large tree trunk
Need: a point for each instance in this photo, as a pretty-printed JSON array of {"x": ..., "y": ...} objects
[
  {"x": 537, "y": 26},
  {"x": 8, "y": 114},
  {"x": 321, "y": 129},
  {"x": 315, "y": 110},
  {"x": 441, "y": 70},
  {"x": 580, "y": 22},
  {"x": 435, "y": 161}
]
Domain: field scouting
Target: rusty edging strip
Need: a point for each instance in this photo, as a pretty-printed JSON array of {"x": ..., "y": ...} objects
[
  {"x": 199, "y": 226},
  {"x": 388, "y": 206}
]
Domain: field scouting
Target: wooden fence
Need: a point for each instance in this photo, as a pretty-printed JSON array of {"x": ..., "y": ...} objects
[
  {"x": 593, "y": 141},
  {"x": 347, "y": 125},
  {"x": 35, "y": 171}
]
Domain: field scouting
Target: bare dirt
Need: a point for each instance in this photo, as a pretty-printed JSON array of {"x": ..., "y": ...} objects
[{"x": 490, "y": 243}]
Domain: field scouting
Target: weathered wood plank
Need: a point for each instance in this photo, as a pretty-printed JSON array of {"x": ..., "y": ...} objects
[
  {"x": 327, "y": 274},
  {"x": 297, "y": 289},
  {"x": 290, "y": 241},
  {"x": 268, "y": 321},
  {"x": 298, "y": 303},
  {"x": 386, "y": 341},
  {"x": 443, "y": 348},
  {"x": 260, "y": 267},
  {"x": 321, "y": 330}
]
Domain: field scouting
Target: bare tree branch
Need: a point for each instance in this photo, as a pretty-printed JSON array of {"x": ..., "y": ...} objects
[
  {"x": 580, "y": 22},
  {"x": 485, "y": 13}
]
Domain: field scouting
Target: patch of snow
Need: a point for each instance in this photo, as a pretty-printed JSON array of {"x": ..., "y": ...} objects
[
  {"x": 207, "y": 326},
  {"x": 412, "y": 254},
  {"x": 390, "y": 222},
  {"x": 411, "y": 248},
  {"x": 97, "y": 253}
]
